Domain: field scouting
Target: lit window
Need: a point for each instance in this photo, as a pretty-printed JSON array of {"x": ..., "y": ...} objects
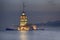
[
  {"x": 21, "y": 17},
  {"x": 21, "y": 20},
  {"x": 25, "y": 19}
]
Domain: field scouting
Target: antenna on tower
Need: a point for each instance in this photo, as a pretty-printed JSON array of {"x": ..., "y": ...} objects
[{"x": 23, "y": 7}]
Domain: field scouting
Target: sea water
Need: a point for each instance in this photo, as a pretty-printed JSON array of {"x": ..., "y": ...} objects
[{"x": 49, "y": 34}]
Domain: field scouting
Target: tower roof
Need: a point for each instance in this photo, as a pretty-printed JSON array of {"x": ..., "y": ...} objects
[
  {"x": 23, "y": 10},
  {"x": 23, "y": 13}
]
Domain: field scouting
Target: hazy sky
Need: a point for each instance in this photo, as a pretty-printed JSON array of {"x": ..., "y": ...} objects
[{"x": 37, "y": 11}]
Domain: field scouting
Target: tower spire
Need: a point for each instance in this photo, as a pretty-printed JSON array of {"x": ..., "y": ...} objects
[{"x": 23, "y": 7}]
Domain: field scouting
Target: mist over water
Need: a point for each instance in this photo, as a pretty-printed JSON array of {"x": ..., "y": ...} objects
[{"x": 48, "y": 34}]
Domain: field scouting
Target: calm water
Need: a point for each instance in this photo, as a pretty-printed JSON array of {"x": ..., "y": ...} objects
[{"x": 30, "y": 35}]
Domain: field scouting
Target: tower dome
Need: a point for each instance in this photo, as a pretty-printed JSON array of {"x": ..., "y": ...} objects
[{"x": 23, "y": 13}]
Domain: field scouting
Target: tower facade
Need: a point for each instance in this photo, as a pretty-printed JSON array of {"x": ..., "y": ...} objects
[{"x": 23, "y": 19}]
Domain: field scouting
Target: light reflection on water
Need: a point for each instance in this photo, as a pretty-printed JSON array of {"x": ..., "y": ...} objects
[
  {"x": 30, "y": 35},
  {"x": 39, "y": 35},
  {"x": 23, "y": 35}
]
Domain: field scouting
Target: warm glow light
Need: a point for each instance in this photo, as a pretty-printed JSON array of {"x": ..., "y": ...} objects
[
  {"x": 18, "y": 28},
  {"x": 23, "y": 23},
  {"x": 34, "y": 27},
  {"x": 21, "y": 20},
  {"x": 23, "y": 28},
  {"x": 23, "y": 14},
  {"x": 23, "y": 35}
]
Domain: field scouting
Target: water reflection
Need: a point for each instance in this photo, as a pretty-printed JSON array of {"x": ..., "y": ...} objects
[{"x": 23, "y": 35}]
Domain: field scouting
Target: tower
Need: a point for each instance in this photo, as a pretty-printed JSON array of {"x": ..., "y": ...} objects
[
  {"x": 23, "y": 20},
  {"x": 23, "y": 17}
]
